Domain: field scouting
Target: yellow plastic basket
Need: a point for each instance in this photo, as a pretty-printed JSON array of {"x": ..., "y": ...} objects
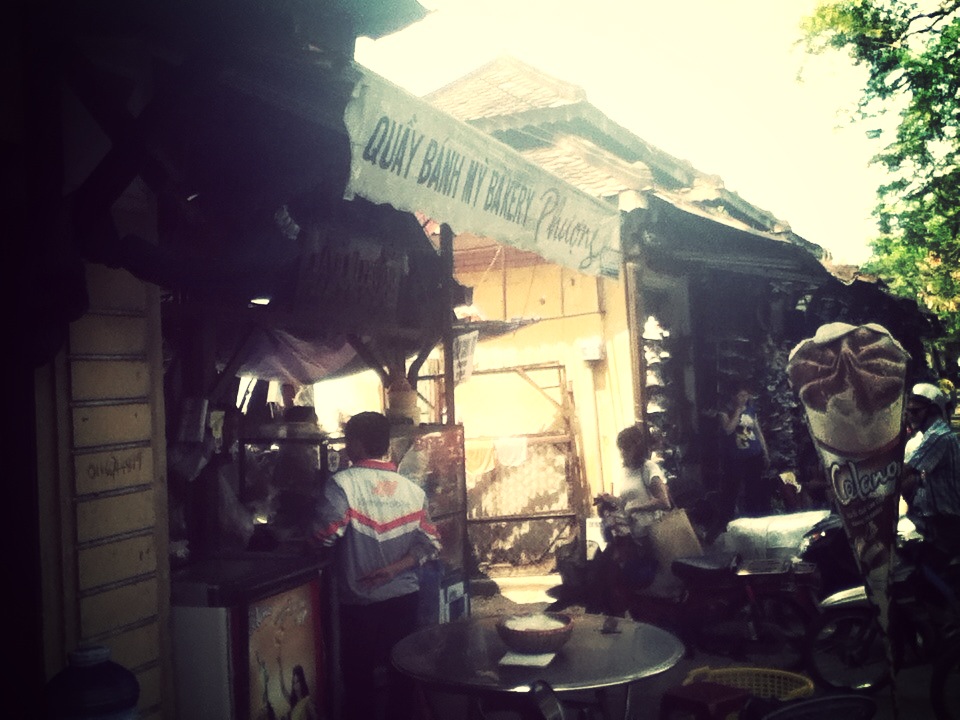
[{"x": 761, "y": 682}]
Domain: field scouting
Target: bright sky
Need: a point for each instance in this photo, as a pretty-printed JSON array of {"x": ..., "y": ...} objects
[{"x": 713, "y": 82}]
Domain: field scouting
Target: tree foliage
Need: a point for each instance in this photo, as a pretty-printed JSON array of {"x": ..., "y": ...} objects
[{"x": 911, "y": 52}]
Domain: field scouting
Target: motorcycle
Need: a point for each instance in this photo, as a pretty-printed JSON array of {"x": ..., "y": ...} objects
[
  {"x": 752, "y": 610},
  {"x": 846, "y": 649},
  {"x": 602, "y": 579},
  {"x": 826, "y": 546}
]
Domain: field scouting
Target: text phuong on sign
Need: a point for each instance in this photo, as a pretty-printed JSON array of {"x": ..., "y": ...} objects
[{"x": 407, "y": 154}]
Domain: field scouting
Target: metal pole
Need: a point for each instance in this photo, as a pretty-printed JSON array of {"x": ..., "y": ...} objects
[{"x": 446, "y": 255}]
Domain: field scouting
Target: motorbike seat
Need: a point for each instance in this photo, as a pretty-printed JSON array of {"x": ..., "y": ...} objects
[{"x": 706, "y": 569}]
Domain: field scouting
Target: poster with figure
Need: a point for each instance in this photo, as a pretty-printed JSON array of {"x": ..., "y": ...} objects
[{"x": 285, "y": 659}]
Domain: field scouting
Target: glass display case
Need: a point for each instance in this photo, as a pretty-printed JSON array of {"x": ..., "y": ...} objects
[
  {"x": 433, "y": 457},
  {"x": 282, "y": 470}
]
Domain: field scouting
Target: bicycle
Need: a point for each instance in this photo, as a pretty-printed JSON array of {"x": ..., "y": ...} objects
[{"x": 846, "y": 649}]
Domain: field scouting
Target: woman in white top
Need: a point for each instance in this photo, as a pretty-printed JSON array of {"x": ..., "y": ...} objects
[
  {"x": 628, "y": 564},
  {"x": 642, "y": 492}
]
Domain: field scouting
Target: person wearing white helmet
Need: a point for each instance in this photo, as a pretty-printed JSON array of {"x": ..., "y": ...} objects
[
  {"x": 932, "y": 394},
  {"x": 931, "y": 477}
]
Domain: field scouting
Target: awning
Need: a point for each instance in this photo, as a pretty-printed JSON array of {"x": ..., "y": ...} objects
[
  {"x": 290, "y": 176},
  {"x": 416, "y": 158},
  {"x": 681, "y": 233}
]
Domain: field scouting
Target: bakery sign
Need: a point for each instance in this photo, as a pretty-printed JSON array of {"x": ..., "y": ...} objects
[{"x": 418, "y": 159}]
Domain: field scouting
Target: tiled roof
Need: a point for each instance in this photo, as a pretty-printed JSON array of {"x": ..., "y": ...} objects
[
  {"x": 589, "y": 168},
  {"x": 503, "y": 87},
  {"x": 509, "y": 88},
  {"x": 552, "y": 124}
]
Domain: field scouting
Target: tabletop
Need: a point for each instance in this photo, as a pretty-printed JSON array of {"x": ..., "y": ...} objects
[{"x": 465, "y": 656}]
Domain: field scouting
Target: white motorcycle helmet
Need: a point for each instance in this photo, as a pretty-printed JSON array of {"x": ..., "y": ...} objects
[{"x": 931, "y": 393}]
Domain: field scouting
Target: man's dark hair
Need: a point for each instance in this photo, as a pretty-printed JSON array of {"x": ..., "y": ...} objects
[
  {"x": 372, "y": 430},
  {"x": 735, "y": 385}
]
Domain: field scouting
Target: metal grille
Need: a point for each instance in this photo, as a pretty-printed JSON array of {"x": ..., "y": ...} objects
[{"x": 518, "y": 514}]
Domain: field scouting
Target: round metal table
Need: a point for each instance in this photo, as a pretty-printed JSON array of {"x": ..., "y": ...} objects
[{"x": 463, "y": 657}]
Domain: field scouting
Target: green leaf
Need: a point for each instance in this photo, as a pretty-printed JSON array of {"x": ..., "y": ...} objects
[{"x": 911, "y": 51}]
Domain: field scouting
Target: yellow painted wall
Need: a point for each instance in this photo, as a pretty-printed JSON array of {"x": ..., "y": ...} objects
[
  {"x": 576, "y": 313},
  {"x": 575, "y": 310},
  {"x": 101, "y": 466}
]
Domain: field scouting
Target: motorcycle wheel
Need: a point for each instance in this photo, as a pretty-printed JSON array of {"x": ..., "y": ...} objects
[
  {"x": 846, "y": 651},
  {"x": 945, "y": 685},
  {"x": 788, "y": 615}
]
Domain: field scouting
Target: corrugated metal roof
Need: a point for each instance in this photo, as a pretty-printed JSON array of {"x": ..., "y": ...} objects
[
  {"x": 374, "y": 20},
  {"x": 686, "y": 233}
]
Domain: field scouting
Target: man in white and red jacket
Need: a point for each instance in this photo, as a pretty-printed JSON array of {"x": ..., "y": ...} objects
[{"x": 378, "y": 522}]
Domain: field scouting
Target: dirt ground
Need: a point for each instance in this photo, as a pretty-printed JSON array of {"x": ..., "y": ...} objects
[{"x": 486, "y": 599}]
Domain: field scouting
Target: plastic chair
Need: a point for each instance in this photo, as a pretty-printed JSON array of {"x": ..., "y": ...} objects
[
  {"x": 847, "y": 706},
  {"x": 716, "y": 693}
]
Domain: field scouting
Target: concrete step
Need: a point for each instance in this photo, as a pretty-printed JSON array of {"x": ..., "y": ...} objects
[{"x": 521, "y": 589}]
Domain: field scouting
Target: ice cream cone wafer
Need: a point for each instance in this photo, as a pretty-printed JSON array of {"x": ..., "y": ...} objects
[{"x": 851, "y": 381}]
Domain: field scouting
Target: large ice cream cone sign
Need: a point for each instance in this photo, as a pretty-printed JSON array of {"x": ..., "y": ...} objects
[{"x": 851, "y": 382}]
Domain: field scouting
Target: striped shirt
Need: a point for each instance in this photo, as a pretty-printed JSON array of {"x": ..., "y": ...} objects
[
  {"x": 375, "y": 516},
  {"x": 937, "y": 459}
]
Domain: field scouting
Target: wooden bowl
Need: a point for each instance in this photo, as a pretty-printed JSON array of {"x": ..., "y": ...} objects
[{"x": 535, "y": 633}]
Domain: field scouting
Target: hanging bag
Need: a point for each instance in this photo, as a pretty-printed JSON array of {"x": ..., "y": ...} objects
[{"x": 672, "y": 536}]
